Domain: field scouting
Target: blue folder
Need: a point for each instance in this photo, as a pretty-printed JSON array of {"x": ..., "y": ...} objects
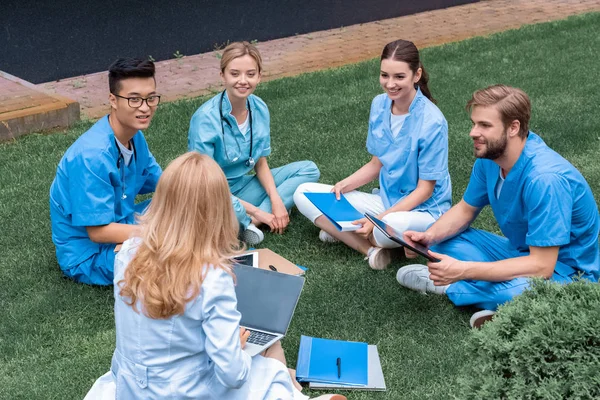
[
  {"x": 317, "y": 361},
  {"x": 339, "y": 212}
]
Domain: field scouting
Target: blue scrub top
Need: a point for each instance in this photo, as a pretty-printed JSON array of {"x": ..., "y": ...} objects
[
  {"x": 545, "y": 202},
  {"x": 419, "y": 151},
  {"x": 225, "y": 143},
  {"x": 88, "y": 189}
]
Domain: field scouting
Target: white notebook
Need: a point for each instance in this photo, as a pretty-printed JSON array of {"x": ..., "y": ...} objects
[{"x": 376, "y": 380}]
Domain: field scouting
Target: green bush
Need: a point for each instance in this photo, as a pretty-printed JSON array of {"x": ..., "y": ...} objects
[{"x": 545, "y": 344}]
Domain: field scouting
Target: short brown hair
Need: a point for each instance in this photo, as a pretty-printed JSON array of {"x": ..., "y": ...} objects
[
  {"x": 240, "y": 49},
  {"x": 512, "y": 103}
]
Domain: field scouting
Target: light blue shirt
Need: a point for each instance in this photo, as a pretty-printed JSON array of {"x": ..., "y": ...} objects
[
  {"x": 544, "y": 202},
  {"x": 419, "y": 151},
  {"x": 88, "y": 189},
  {"x": 195, "y": 355},
  {"x": 223, "y": 141}
]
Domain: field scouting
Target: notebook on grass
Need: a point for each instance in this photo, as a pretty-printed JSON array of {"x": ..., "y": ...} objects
[
  {"x": 375, "y": 382},
  {"x": 340, "y": 212},
  {"x": 332, "y": 361}
]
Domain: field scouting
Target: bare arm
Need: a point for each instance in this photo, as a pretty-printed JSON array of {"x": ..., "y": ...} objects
[
  {"x": 453, "y": 222},
  {"x": 422, "y": 192},
  {"x": 251, "y": 209},
  {"x": 540, "y": 262},
  {"x": 263, "y": 173},
  {"x": 111, "y": 233},
  {"x": 280, "y": 213},
  {"x": 258, "y": 216},
  {"x": 279, "y": 218},
  {"x": 364, "y": 175}
]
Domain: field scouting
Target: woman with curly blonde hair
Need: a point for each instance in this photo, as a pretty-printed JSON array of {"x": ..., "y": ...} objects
[{"x": 177, "y": 324}]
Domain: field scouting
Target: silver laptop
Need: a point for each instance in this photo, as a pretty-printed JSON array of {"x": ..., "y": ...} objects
[{"x": 267, "y": 301}]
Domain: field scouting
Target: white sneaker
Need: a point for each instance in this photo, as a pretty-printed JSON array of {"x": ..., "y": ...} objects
[
  {"x": 326, "y": 237},
  {"x": 379, "y": 258},
  {"x": 252, "y": 235},
  {"x": 416, "y": 277},
  {"x": 481, "y": 317}
]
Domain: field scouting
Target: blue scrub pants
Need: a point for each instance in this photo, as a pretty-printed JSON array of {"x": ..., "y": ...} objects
[
  {"x": 96, "y": 270},
  {"x": 99, "y": 269},
  {"x": 287, "y": 179},
  {"x": 478, "y": 245}
]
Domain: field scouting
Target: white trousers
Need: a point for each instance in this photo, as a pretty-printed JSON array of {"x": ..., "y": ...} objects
[{"x": 365, "y": 203}]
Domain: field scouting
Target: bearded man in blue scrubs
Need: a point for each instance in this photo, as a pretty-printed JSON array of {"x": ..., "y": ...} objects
[
  {"x": 92, "y": 197},
  {"x": 543, "y": 205}
]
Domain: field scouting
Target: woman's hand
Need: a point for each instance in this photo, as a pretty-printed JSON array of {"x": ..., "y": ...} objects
[
  {"x": 366, "y": 229},
  {"x": 339, "y": 188},
  {"x": 282, "y": 218},
  {"x": 244, "y": 335},
  {"x": 263, "y": 217}
]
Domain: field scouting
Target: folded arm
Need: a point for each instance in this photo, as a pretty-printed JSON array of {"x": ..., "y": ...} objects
[{"x": 540, "y": 262}]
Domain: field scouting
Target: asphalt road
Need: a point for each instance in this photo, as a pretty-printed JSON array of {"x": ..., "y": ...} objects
[{"x": 42, "y": 41}]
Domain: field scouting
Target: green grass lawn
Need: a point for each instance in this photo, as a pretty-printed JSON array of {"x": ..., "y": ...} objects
[{"x": 57, "y": 337}]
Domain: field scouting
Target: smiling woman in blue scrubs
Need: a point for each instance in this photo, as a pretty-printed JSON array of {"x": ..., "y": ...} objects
[
  {"x": 408, "y": 139},
  {"x": 234, "y": 129}
]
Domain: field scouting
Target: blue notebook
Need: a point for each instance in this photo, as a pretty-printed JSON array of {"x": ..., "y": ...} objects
[
  {"x": 339, "y": 212},
  {"x": 332, "y": 361}
]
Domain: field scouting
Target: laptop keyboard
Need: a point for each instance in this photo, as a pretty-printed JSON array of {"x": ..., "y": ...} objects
[{"x": 260, "y": 338}]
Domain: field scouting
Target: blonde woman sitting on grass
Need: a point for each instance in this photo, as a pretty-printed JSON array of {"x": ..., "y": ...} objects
[{"x": 177, "y": 324}]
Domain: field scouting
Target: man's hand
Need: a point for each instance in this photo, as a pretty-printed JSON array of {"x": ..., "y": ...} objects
[
  {"x": 420, "y": 237},
  {"x": 445, "y": 272},
  {"x": 366, "y": 229},
  {"x": 282, "y": 218},
  {"x": 244, "y": 335}
]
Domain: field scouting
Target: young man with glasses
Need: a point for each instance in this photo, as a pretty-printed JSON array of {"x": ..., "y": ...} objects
[{"x": 92, "y": 197}]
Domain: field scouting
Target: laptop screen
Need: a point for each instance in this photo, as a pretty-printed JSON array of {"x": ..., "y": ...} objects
[{"x": 266, "y": 299}]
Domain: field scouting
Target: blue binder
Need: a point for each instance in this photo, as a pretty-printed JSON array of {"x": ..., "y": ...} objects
[
  {"x": 339, "y": 212},
  {"x": 318, "y": 361}
]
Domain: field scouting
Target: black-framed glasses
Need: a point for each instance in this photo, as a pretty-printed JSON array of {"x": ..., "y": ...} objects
[{"x": 136, "y": 102}]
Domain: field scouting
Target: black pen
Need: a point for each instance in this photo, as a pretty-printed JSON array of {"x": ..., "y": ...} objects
[{"x": 339, "y": 367}]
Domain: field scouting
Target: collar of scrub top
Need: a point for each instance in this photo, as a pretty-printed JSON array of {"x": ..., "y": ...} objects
[
  {"x": 388, "y": 106},
  {"x": 250, "y": 162},
  {"x": 121, "y": 160},
  {"x": 413, "y": 103}
]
